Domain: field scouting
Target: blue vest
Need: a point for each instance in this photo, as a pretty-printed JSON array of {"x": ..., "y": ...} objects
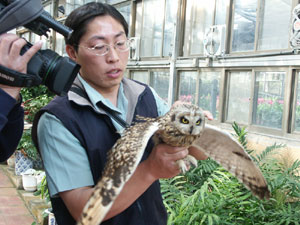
[{"x": 97, "y": 135}]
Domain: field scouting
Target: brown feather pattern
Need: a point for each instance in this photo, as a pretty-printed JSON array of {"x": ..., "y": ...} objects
[{"x": 183, "y": 125}]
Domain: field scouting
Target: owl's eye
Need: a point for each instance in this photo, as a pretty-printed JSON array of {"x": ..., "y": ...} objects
[
  {"x": 198, "y": 122},
  {"x": 184, "y": 120}
]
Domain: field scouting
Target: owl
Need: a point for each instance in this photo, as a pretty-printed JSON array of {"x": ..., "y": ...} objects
[{"x": 184, "y": 125}]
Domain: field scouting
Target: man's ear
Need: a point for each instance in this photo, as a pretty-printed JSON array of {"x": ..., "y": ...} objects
[{"x": 71, "y": 52}]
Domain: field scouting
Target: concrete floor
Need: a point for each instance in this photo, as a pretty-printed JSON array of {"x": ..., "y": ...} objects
[{"x": 13, "y": 210}]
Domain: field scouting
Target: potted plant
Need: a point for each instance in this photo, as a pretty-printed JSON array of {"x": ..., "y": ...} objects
[
  {"x": 29, "y": 180},
  {"x": 26, "y": 155},
  {"x": 11, "y": 161},
  {"x": 42, "y": 188},
  {"x": 43, "y": 192}
]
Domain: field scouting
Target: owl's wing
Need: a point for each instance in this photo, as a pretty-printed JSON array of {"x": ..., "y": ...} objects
[
  {"x": 122, "y": 161},
  {"x": 221, "y": 147}
]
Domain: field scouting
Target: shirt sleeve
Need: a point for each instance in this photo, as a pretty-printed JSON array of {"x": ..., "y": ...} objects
[
  {"x": 65, "y": 160},
  {"x": 11, "y": 125},
  {"x": 162, "y": 106}
]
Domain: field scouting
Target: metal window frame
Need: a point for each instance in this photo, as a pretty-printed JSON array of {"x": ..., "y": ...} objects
[
  {"x": 287, "y": 96},
  {"x": 259, "y": 9}
]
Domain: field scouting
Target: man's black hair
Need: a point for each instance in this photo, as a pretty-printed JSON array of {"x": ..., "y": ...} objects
[{"x": 79, "y": 19}]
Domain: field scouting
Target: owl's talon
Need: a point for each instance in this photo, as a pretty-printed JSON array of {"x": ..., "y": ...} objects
[
  {"x": 186, "y": 162},
  {"x": 183, "y": 167},
  {"x": 191, "y": 160}
]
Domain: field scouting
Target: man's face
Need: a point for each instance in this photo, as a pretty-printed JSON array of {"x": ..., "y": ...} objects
[{"x": 104, "y": 73}]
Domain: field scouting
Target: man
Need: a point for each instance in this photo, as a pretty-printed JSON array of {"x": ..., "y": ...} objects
[
  {"x": 75, "y": 132},
  {"x": 11, "y": 112}
]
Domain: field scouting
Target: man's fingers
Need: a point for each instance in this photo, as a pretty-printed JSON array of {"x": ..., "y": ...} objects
[
  {"x": 30, "y": 52},
  {"x": 208, "y": 115},
  {"x": 6, "y": 41},
  {"x": 179, "y": 155},
  {"x": 11, "y": 45},
  {"x": 171, "y": 150},
  {"x": 16, "y": 47}
]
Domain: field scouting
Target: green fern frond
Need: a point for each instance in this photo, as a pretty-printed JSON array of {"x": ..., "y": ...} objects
[
  {"x": 241, "y": 134},
  {"x": 269, "y": 150},
  {"x": 295, "y": 167}
]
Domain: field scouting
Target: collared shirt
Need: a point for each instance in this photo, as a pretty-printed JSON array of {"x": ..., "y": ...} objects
[{"x": 58, "y": 144}]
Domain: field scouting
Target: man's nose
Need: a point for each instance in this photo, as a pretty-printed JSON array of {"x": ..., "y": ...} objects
[{"x": 113, "y": 54}]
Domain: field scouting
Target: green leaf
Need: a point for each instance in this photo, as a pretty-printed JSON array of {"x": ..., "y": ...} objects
[{"x": 193, "y": 217}]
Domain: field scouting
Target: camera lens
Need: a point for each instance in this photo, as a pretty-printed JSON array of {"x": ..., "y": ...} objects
[{"x": 56, "y": 72}]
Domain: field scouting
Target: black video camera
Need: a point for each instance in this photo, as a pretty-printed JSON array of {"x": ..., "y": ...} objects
[{"x": 46, "y": 67}]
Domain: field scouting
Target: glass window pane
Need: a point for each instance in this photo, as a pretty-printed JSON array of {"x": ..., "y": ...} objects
[
  {"x": 139, "y": 19},
  {"x": 170, "y": 20},
  {"x": 60, "y": 45},
  {"x": 221, "y": 7},
  {"x": 113, "y": 1},
  {"x": 275, "y": 24},
  {"x": 48, "y": 8},
  {"x": 297, "y": 110},
  {"x": 187, "y": 86},
  {"x": 244, "y": 25},
  {"x": 238, "y": 97},
  {"x": 47, "y": 42},
  {"x": 34, "y": 38},
  {"x": 70, "y": 5},
  {"x": 125, "y": 10},
  {"x": 209, "y": 86},
  {"x": 151, "y": 40},
  {"x": 160, "y": 82},
  {"x": 268, "y": 99},
  {"x": 199, "y": 17},
  {"x": 141, "y": 76}
]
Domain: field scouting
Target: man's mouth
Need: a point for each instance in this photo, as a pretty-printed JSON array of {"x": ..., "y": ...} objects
[{"x": 114, "y": 73}]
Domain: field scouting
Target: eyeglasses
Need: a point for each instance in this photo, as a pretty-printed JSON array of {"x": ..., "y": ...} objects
[{"x": 103, "y": 49}]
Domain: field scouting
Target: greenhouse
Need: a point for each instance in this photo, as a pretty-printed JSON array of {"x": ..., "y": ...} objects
[
  {"x": 238, "y": 60},
  {"x": 233, "y": 58}
]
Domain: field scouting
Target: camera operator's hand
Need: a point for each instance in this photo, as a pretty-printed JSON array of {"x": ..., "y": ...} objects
[{"x": 10, "y": 47}]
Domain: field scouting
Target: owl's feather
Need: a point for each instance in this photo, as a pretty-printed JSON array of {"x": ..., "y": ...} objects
[
  {"x": 184, "y": 126},
  {"x": 123, "y": 159},
  {"x": 221, "y": 147}
]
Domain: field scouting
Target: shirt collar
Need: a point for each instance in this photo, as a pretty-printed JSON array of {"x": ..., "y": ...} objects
[{"x": 96, "y": 97}]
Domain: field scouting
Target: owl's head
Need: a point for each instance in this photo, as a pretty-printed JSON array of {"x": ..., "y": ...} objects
[{"x": 188, "y": 119}]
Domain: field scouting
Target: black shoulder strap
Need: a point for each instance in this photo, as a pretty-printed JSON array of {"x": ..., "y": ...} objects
[
  {"x": 74, "y": 88},
  {"x": 108, "y": 111}
]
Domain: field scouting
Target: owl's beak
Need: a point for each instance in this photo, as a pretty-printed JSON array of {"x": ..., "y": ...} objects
[{"x": 191, "y": 130}]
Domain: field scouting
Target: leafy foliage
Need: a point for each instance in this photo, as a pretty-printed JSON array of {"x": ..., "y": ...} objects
[
  {"x": 32, "y": 106},
  {"x": 269, "y": 112},
  {"x": 34, "y": 99},
  {"x": 27, "y": 147},
  {"x": 33, "y": 92},
  {"x": 241, "y": 134},
  {"x": 208, "y": 194},
  {"x": 42, "y": 190}
]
